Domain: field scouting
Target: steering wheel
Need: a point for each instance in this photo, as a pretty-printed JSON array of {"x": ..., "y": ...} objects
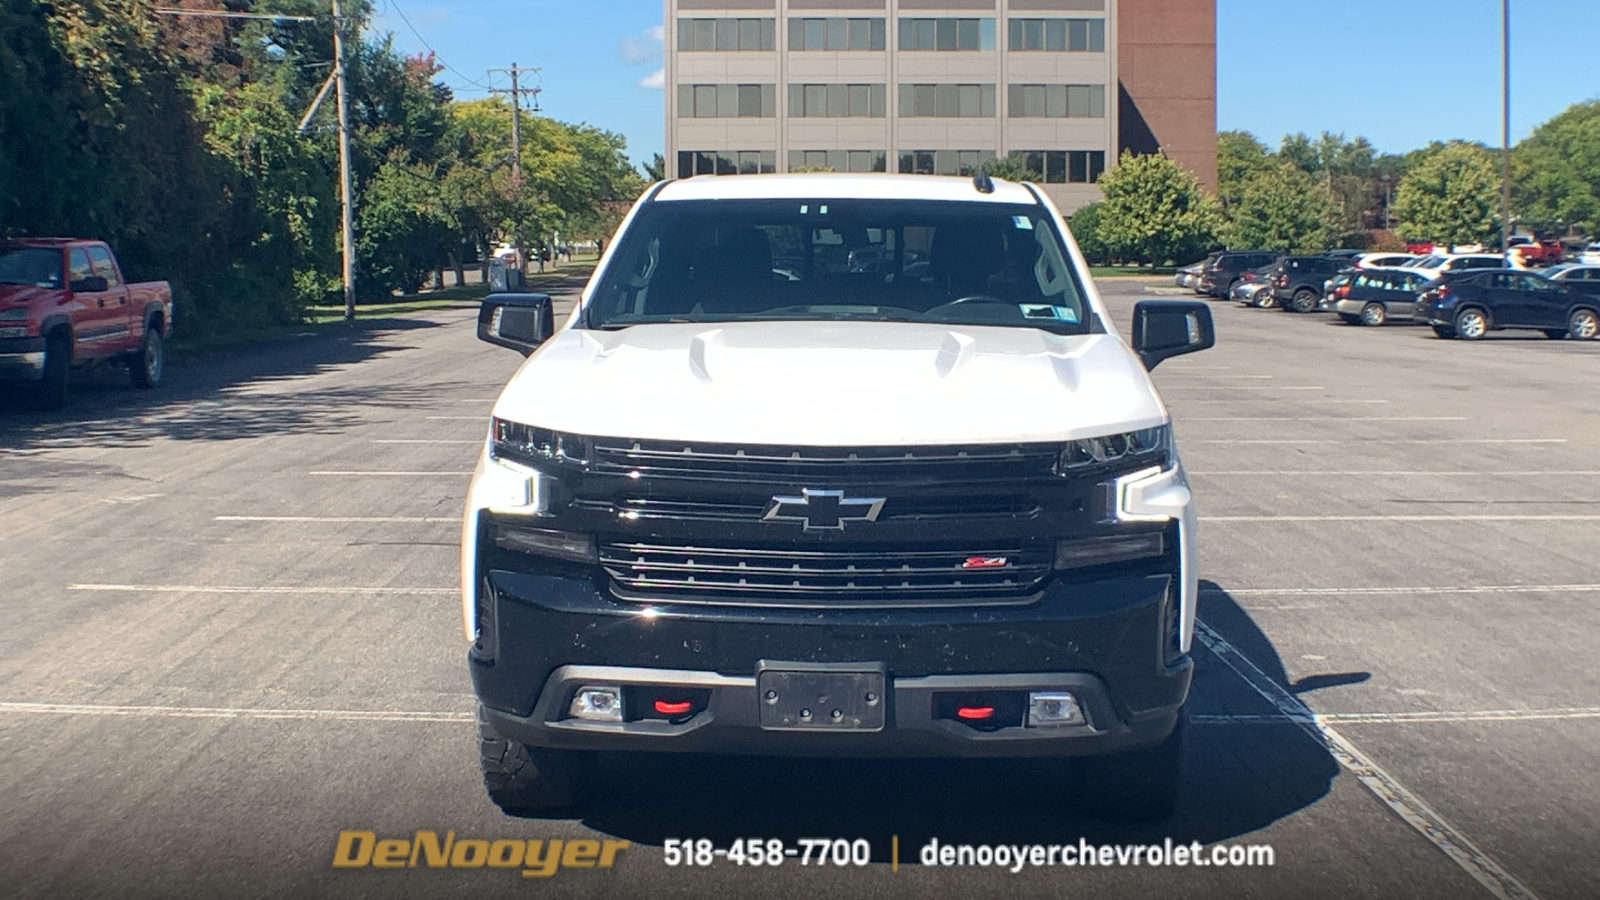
[{"x": 978, "y": 298}]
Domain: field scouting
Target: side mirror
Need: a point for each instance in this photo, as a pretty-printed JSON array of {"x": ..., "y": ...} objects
[
  {"x": 519, "y": 321},
  {"x": 94, "y": 284},
  {"x": 1163, "y": 329}
]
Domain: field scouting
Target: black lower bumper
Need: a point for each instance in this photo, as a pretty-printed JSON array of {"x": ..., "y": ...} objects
[
  {"x": 21, "y": 359},
  {"x": 1106, "y": 642}
]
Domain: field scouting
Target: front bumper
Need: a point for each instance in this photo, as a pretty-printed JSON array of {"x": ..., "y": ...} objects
[
  {"x": 1102, "y": 641},
  {"x": 22, "y": 358}
]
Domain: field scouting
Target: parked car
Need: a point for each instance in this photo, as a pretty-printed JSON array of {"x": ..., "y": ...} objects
[
  {"x": 1301, "y": 281},
  {"x": 844, "y": 536},
  {"x": 1383, "y": 260},
  {"x": 1584, "y": 279},
  {"x": 1225, "y": 271},
  {"x": 1376, "y": 296},
  {"x": 1420, "y": 247},
  {"x": 1255, "y": 288},
  {"x": 65, "y": 304},
  {"x": 1347, "y": 256},
  {"x": 507, "y": 254},
  {"x": 1590, "y": 255},
  {"x": 1189, "y": 276},
  {"x": 1440, "y": 264},
  {"x": 1470, "y": 304},
  {"x": 1535, "y": 253}
]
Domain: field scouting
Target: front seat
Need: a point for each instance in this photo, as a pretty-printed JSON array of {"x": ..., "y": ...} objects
[
  {"x": 962, "y": 258},
  {"x": 734, "y": 275}
]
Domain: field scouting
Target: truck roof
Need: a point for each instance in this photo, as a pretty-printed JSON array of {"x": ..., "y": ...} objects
[
  {"x": 853, "y": 186},
  {"x": 43, "y": 241}
]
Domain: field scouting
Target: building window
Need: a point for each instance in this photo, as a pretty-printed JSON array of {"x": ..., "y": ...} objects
[
  {"x": 695, "y": 35},
  {"x": 837, "y": 34},
  {"x": 947, "y": 34},
  {"x": 839, "y": 160},
  {"x": 1059, "y": 35},
  {"x": 727, "y": 101},
  {"x": 838, "y": 101},
  {"x": 1064, "y": 166},
  {"x": 726, "y": 162},
  {"x": 943, "y": 162},
  {"x": 1058, "y": 101},
  {"x": 947, "y": 101}
]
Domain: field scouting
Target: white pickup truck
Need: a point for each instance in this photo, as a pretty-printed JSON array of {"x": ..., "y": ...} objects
[{"x": 834, "y": 465}]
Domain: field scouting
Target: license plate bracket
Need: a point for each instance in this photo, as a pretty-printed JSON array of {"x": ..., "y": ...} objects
[{"x": 821, "y": 697}]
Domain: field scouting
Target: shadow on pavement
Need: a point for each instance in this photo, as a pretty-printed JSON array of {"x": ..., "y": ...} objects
[
  {"x": 238, "y": 395},
  {"x": 1238, "y": 779}
]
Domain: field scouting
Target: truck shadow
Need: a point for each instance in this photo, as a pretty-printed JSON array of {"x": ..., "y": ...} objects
[
  {"x": 225, "y": 396},
  {"x": 1245, "y": 768}
]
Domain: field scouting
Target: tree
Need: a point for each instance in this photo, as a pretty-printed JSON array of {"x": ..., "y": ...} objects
[
  {"x": 1155, "y": 211},
  {"x": 1555, "y": 173},
  {"x": 1011, "y": 168},
  {"x": 656, "y": 169},
  {"x": 1452, "y": 195},
  {"x": 1283, "y": 209},
  {"x": 1085, "y": 227},
  {"x": 1239, "y": 156}
]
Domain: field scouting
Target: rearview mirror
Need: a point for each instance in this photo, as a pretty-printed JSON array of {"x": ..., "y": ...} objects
[
  {"x": 1163, "y": 329},
  {"x": 93, "y": 284},
  {"x": 519, "y": 321}
]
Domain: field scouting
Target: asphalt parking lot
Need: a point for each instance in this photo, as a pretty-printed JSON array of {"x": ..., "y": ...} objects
[{"x": 231, "y": 631}]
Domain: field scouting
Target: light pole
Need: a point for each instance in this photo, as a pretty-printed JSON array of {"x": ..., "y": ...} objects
[
  {"x": 1505, "y": 131},
  {"x": 1388, "y": 197}
]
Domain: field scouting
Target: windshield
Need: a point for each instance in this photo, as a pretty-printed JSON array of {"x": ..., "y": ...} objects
[
  {"x": 36, "y": 266},
  {"x": 838, "y": 260}
]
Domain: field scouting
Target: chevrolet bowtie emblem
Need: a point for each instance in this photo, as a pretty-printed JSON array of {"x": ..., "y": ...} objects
[{"x": 823, "y": 510}]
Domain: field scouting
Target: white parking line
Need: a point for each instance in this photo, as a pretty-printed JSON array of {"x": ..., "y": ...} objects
[
  {"x": 1211, "y": 388},
  {"x": 1382, "y": 441},
  {"x": 1504, "y": 518},
  {"x": 454, "y": 418},
  {"x": 395, "y": 474},
  {"x": 232, "y": 589},
  {"x": 1408, "y": 806},
  {"x": 1370, "y": 473},
  {"x": 1405, "y": 591},
  {"x": 424, "y": 442},
  {"x": 1445, "y": 717},
  {"x": 202, "y": 712},
  {"x": 342, "y": 520}
]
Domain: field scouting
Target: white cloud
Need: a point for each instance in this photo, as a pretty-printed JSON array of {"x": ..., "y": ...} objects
[
  {"x": 644, "y": 49},
  {"x": 655, "y": 81}
]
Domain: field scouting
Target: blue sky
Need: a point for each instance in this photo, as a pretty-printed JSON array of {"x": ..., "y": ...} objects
[{"x": 1400, "y": 72}]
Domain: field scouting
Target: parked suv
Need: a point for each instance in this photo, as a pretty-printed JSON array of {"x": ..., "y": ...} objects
[
  {"x": 721, "y": 511},
  {"x": 1223, "y": 273},
  {"x": 1302, "y": 280},
  {"x": 1468, "y": 305}
]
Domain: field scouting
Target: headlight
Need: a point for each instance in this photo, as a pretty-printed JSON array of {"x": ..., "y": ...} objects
[
  {"x": 527, "y": 445},
  {"x": 14, "y": 315},
  {"x": 1151, "y": 446},
  {"x": 21, "y": 332}
]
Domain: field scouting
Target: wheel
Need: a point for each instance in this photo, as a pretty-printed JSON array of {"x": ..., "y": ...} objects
[
  {"x": 1584, "y": 325},
  {"x": 146, "y": 364},
  {"x": 1304, "y": 301},
  {"x": 520, "y": 778},
  {"x": 51, "y": 392},
  {"x": 1141, "y": 786},
  {"x": 1264, "y": 299},
  {"x": 1350, "y": 318},
  {"x": 1444, "y": 331},
  {"x": 1555, "y": 334},
  {"x": 1374, "y": 314},
  {"x": 1471, "y": 324}
]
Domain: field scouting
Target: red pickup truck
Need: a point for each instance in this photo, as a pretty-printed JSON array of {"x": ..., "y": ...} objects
[{"x": 64, "y": 303}]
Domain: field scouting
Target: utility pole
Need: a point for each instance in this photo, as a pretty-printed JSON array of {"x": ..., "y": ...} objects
[
  {"x": 516, "y": 91},
  {"x": 346, "y": 185},
  {"x": 1505, "y": 145}
]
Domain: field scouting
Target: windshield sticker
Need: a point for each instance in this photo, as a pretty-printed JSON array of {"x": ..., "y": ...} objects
[
  {"x": 1023, "y": 223},
  {"x": 1035, "y": 311}
]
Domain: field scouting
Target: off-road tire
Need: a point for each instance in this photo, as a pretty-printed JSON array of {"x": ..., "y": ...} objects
[
  {"x": 51, "y": 391},
  {"x": 522, "y": 779},
  {"x": 146, "y": 365}
]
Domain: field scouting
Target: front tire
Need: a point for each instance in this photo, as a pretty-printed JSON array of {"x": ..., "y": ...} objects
[
  {"x": 1374, "y": 314},
  {"x": 51, "y": 392},
  {"x": 1304, "y": 301},
  {"x": 1471, "y": 324},
  {"x": 1584, "y": 325},
  {"x": 149, "y": 361},
  {"x": 524, "y": 779},
  {"x": 1141, "y": 786}
]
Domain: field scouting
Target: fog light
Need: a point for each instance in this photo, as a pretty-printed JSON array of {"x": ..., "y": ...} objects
[
  {"x": 597, "y": 703},
  {"x": 1050, "y": 709},
  {"x": 545, "y": 542}
]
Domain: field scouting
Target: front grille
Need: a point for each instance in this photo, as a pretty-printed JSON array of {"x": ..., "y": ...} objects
[
  {"x": 783, "y": 576},
  {"x": 838, "y": 466},
  {"x": 963, "y": 508}
]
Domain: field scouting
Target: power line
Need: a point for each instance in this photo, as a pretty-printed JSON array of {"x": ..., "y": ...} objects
[{"x": 402, "y": 14}]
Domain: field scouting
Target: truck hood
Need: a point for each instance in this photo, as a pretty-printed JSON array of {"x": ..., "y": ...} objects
[
  {"x": 13, "y": 295},
  {"x": 833, "y": 384}
]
